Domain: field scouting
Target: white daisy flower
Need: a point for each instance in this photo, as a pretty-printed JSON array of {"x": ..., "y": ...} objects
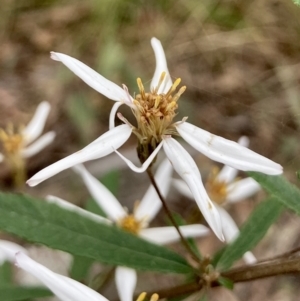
[
  {"x": 8, "y": 251},
  {"x": 154, "y": 112},
  {"x": 135, "y": 223},
  {"x": 224, "y": 188},
  {"x": 20, "y": 145}
]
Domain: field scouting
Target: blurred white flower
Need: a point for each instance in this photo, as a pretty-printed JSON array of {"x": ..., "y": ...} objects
[
  {"x": 66, "y": 289},
  {"x": 136, "y": 223},
  {"x": 225, "y": 188},
  {"x": 8, "y": 250},
  {"x": 21, "y": 143},
  {"x": 154, "y": 112}
]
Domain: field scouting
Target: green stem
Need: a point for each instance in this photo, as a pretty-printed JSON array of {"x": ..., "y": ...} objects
[{"x": 169, "y": 214}]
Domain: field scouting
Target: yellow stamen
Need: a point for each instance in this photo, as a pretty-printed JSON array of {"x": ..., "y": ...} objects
[
  {"x": 173, "y": 87},
  {"x": 161, "y": 79},
  {"x": 179, "y": 93},
  {"x": 141, "y": 87},
  {"x": 142, "y": 297}
]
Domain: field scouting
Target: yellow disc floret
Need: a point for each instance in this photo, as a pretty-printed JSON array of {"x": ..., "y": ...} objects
[
  {"x": 12, "y": 142},
  {"x": 216, "y": 189},
  {"x": 154, "y": 113},
  {"x": 130, "y": 224}
]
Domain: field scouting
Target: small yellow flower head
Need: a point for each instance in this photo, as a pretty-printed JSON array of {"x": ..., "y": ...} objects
[
  {"x": 154, "y": 113},
  {"x": 12, "y": 141},
  {"x": 130, "y": 224},
  {"x": 216, "y": 189}
]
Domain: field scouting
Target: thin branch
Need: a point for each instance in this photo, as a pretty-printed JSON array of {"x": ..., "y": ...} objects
[
  {"x": 236, "y": 275},
  {"x": 169, "y": 214},
  {"x": 283, "y": 255}
]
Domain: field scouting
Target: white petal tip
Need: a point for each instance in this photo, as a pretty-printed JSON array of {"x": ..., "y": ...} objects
[
  {"x": 154, "y": 40},
  {"x": 33, "y": 182},
  {"x": 54, "y": 56}
]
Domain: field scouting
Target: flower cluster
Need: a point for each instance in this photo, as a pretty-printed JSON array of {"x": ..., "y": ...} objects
[
  {"x": 155, "y": 128},
  {"x": 136, "y": 223},
  {"x": 154, "y": 112}
]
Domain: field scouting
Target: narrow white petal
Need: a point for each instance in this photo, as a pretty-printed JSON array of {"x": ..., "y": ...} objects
[
  {"x": 242, "y": 189},
  {"x": 231, "y": 232},
  {"x": 38, "y": 145},
  {"x": 104, "y": 198},
  {"x": 112, "y": 114},
  {"x": 92, "y": 78},
  {"x": 226, "y": 151},
  {"x": 182, "y": 187},
  {"x": 166, "y": 235},
  {"x": 71, "y": 207},
  {"x": 145, "y": 164},
  {"x": 66, "y": 289},
  {"x": 101, "y": 147},
  {"x": 227, "y": 174},
  {"x": 230, "y": 229},
  {"x": 1, "y": 157},
  {"x": 249, "y": 258},
  {"x": 37, "y": 123},
  {"x": 8, "y": 251},
  {"x": 244, "y": 141},
  {"x": 150, "y": 203},
  {"x": 161, "y": 66},
  {"x": 186, "y": 167},
  {"x": 126, "y": 282}
]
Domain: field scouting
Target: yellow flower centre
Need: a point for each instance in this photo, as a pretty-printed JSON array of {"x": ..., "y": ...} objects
[
  {"x": 217, "y": 190},
  {"x": 12, "y": 142},
  {"x": 154, "y": 113},
  {"x": 130, "y": 224}
]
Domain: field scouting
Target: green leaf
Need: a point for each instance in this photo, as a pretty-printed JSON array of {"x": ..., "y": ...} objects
[
  {"x": 191, "y": 241},
  {"x": 48, "y": 224},
  {"x": 15, "y": 293},
  {"x": 287, "y": 193},
  {"x": 5, "y": 273},
  {"x": 93, "y": 207},
  {"x": 226, "y": 282},
  {"x": 111, "y": 181},
  {"x": 255, "y": 228},
  {"x": 80, "y": 267}
]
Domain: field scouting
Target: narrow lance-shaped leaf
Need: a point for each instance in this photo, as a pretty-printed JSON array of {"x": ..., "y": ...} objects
[
  {"x": 16, "y": 293},
  {"x": 80, "y": 267},
  {"x": 5, "y": 273},
  {"x": 285, "y": 192},
  {"x": 46, "y": 223},
  {"x": 264, "y": 215}
]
